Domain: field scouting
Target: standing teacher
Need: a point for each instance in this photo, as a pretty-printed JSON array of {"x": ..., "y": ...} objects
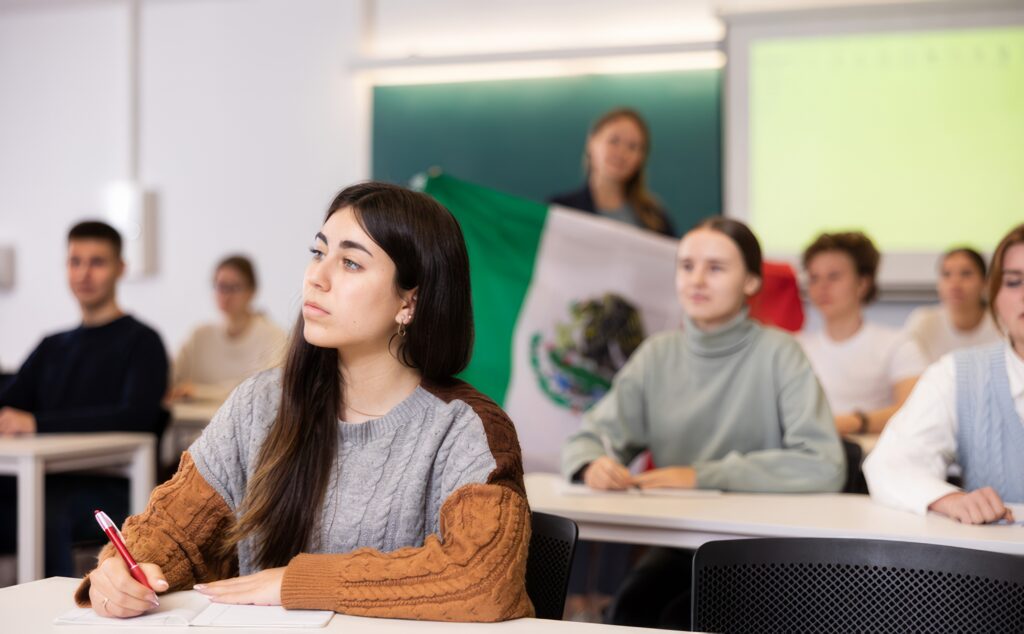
[{"x": 614, "y": 159}]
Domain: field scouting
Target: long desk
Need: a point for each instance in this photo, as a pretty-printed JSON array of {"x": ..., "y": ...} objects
[
  {"x": 188, "y": 419},
  {"x": 32, "y": 607},
  {"x": 867, "y": 442},
  {"x": 690, "y": 522},
  {"x": 29, "y": 458}
]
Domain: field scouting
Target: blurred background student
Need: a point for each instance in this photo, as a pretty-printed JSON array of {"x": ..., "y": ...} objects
[
  {"x": 867, "y": 370},
  {"x": 960, "y": 320},
  {"x": 106, "y": 374},
  {"x": 696, "y": 399},
  {"x": 614, "y": 159},
  {"x": 967, "y": 408},
  {"x": 218, "y": 356}
]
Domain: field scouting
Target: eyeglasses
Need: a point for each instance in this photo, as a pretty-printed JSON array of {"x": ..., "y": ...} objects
[{"x": 229, "y": 289}]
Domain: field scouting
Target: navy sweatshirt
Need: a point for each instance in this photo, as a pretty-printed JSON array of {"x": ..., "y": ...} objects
[{"x": 91, "y": 379}]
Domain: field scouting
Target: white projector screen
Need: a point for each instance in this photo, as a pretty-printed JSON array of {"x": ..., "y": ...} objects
[{"x": 904, "y": 122}]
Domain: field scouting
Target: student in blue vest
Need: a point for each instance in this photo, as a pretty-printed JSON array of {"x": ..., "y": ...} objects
[
  {"x": 968, "y": 408},
  {"x": 725, "y": 403}
]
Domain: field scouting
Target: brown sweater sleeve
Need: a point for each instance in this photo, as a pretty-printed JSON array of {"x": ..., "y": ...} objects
[
  {"x": 478, "y": 571},
  {"x": 179, "y": 531},
  {"x": 477, "y": 574}
]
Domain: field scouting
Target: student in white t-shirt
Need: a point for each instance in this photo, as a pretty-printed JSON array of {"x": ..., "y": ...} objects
[
  {"x": 961, "y": 320},
  {"x": 867, "y": 370},
  {"x": 219, "y": 356}
]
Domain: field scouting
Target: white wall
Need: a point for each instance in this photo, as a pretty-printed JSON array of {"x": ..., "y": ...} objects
[
  {"x": 448, "y": 27},
  {"x": 250, "y": 122}
]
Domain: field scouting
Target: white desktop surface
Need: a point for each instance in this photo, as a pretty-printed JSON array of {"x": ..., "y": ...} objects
[
  {"x": 188, "y": 419},
  {"x": 32, "y": 607},
  {"x": 690, "y": 522},
  {"x": 30, "y": 457}
]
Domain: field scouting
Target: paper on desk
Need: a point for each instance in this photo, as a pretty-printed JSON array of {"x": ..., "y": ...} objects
[
  {"x": 222, "y": 615},
  {"x": 191, "y": 608},
  {"x": 569, "y": 488},
  {"x": 1018, "y": 515}
]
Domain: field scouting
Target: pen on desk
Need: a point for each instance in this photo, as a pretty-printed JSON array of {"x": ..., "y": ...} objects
[
  {"x": 609, "y": 451},
  {"x": 115, "y": 538}
]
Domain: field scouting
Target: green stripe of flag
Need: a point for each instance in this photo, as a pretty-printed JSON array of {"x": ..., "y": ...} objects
[{"x": 502, "y": 236}]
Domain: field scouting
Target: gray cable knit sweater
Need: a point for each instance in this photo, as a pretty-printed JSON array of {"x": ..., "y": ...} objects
[{"x": 391, "y": 476}]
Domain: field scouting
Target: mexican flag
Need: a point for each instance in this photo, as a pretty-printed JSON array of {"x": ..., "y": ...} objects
[{"x": 561, "y": 298}]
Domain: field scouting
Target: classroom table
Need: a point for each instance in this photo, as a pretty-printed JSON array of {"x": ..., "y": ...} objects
[
  {"x": 688, "y": 522},
  {"x": 29, "y": 458},
  {"x": 32, "y": 607},
  {"x": 867, "y": 442},
  {"x": 188, "y": 420}
]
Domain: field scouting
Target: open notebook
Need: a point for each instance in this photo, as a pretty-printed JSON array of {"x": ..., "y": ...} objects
[{"x": 192, "y": 608}]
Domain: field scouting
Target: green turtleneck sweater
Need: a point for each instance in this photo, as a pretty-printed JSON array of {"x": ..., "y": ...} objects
[{"x": 740, "y": 404}]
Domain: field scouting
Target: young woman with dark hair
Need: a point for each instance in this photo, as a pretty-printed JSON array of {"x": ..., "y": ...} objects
[
  {"x": 217, "y": 357},
  {"x": 362, "y": 477},
  {"x": 960, "y": 320},
  {"x": 614, "y": 160},
  {"x": 968, "y": 409},
  {"x": 866, "y": 369},
  {"x": 697, "y": 399}
]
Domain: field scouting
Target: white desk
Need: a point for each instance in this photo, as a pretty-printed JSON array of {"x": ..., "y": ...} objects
[
  {"x": 867, "y": 442},
  {"x": 188, "y": 420},
  {"x": 690, "y": 522},
  {"x": 30, "y": 457},
  {"x": 32, "y": 607}
]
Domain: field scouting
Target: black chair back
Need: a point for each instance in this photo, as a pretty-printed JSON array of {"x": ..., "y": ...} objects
[
  {"x": 855, "y": 482},
  {"x": 552, "y": 544},
  {"x": 850, "y": 585}
]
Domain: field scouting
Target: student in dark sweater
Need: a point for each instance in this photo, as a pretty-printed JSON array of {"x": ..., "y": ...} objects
[{"x": 108, "y": 374}]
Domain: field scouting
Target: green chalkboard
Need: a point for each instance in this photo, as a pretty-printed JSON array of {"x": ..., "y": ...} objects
[{"x": 525, "y": 137}]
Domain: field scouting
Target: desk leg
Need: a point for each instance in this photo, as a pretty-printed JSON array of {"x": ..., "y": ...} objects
[
  {"x": 31, "y": 518},
  {"x": 143, "y": 476}
]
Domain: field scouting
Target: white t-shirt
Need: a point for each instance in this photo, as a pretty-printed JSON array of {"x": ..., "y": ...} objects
[
  {"x": 860, "y": 372},
  {"x": 932, "y": 329},
  {"x": 215, "y": 363}
]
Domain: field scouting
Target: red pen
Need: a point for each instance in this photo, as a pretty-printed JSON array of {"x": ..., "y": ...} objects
[{"x": 115, "y": 538}]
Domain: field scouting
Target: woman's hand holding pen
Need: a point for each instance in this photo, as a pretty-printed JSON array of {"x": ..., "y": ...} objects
[
  {"x": 114, "y": 593},
  {"x": 607, "y": 474},
  {"x": 261, "y": 588}
]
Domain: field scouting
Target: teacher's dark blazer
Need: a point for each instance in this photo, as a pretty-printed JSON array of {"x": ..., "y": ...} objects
[{"x": 583, "y": 200}]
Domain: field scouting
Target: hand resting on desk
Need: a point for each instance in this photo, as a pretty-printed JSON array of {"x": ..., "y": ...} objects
[
  {"x": 261, "y": 588},
  {"x": 14, "y": 421},
  {"x": 113, "y": 592},
  {"x": 606, "y": 474},
  {"x": 667, "y": 478},
  {"x": 981, "y": 506}
]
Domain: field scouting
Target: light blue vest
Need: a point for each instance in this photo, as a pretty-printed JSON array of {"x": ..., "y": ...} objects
[{"x": 990, "y": 438}]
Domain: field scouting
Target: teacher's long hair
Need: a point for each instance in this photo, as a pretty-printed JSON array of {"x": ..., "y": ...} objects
[{"x": 285, "y": 496}]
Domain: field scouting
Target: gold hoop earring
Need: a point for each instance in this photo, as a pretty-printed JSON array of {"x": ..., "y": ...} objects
[{"x": 401, "y": 329}]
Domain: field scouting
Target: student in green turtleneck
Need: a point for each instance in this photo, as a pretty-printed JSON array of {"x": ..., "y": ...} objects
[{"x": 726, "y": 403}]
